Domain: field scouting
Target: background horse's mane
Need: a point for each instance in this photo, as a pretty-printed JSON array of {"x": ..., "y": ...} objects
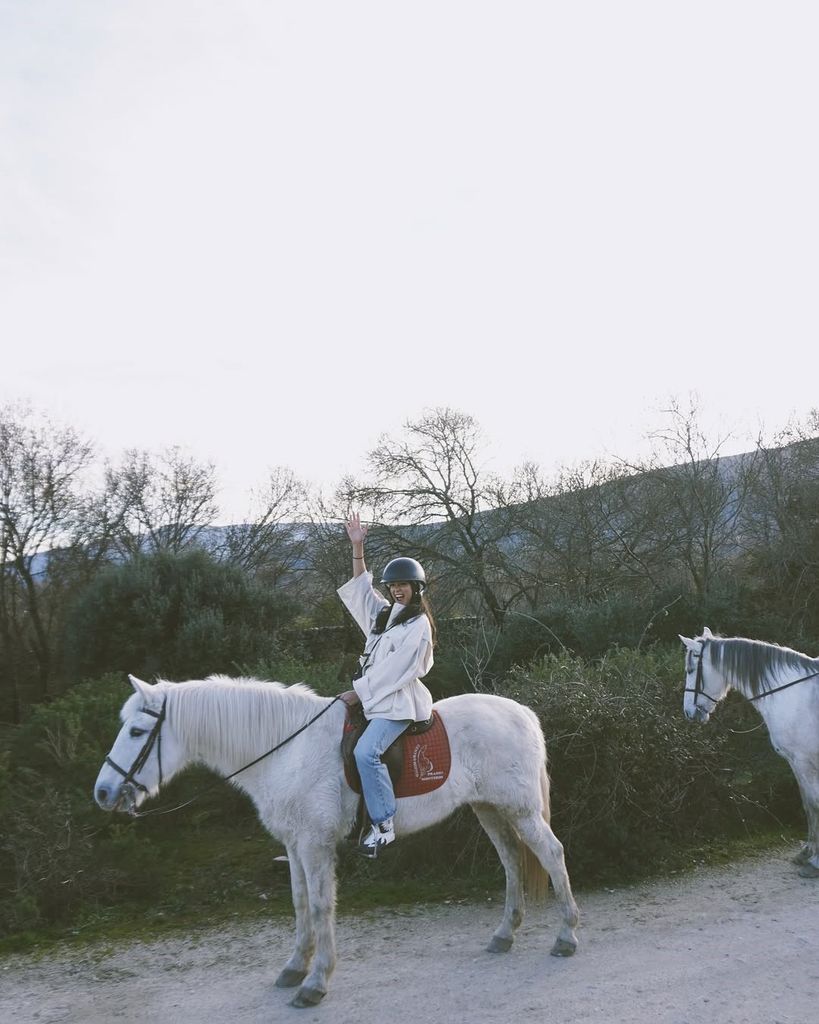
[
  {"x": 757, "y": 664},
  {"x": 238, "y": 717}
]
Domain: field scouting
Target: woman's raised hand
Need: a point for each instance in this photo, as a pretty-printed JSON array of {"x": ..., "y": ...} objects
[{"x": 356, "y": 530}]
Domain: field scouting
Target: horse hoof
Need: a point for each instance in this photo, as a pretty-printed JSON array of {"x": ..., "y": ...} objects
[
  {"x": 290, "y": 978},
  {"x": 499, "y": 945},
  {"x": 563, "y": 948},
  {"x": 307, "y": 997},
  {"x": 802, "y": 857},
  {"x": 809, "y": 871}
]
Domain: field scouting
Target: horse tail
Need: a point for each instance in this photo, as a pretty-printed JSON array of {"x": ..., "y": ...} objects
[
  {"x": 535, "y": 876},
  {"x": 545, "y": 793}
]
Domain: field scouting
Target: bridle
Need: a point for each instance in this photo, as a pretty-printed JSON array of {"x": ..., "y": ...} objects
[
  {"x": 154, "y": 738},
  {"x": 698, "y": 689}
]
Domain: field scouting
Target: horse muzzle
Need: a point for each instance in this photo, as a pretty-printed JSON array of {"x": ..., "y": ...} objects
[
  {"x": 123, "y": 798},
  {"x": 697, "y": 714}
]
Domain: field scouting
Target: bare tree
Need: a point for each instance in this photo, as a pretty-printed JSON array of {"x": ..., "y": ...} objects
[
  {"x": 675, "y": 519},
  {"x": 42, "y": 468},
  {"x": 271, "y": 540},
  {"x": 326, "y": 552},
  {"x": 694, "y": 499},
  {"x": 429, "y": 490},
  {"x": 571, "y": 537},
  {"x": 165, "y": 500},
  {"x": 783, "y": 522}
]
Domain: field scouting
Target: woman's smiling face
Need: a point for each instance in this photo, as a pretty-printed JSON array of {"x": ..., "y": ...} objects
[{"x": 401, "y": 592}]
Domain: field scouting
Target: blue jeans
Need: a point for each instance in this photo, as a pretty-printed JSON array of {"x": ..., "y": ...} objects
[{"x": 376, "y": 783}]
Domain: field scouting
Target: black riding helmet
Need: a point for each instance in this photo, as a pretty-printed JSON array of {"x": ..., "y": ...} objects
[{"x": 404, "y": 570}]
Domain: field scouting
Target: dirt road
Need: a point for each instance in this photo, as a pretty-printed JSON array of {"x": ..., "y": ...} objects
[{"x": 734, "y": 945}]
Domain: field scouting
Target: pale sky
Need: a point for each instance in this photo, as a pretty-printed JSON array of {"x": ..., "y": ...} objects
[{"x": 270, "y": 231}]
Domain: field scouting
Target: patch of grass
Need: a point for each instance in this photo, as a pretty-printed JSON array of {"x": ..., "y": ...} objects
[
  {"x": 715, "y": 852},
  {"x": 377, "y": 893},
  {"x": 365, "y": 892}
]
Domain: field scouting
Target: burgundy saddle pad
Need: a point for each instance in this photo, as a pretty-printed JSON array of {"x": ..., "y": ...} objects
[{"x": 418, "y": 761}]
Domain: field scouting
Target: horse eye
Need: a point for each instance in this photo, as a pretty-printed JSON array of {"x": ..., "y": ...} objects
[{"x": 137, "y": 732}]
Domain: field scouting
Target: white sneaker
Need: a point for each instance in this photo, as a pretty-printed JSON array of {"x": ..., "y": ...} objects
[{"x": 379, "y": 836}]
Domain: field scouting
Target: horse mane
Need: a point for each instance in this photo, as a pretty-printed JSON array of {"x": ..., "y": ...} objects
[
  {"x": 234, "y": 719},
  {"x": 755, "y": 663}
]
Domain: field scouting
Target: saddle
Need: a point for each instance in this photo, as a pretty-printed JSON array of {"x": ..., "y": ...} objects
[{"x": 418, "y": 761}]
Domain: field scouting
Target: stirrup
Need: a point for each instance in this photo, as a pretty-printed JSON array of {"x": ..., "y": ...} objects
[{"x": 376, "y": 839}]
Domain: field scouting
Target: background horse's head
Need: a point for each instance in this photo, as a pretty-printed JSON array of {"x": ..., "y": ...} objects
[
  {"x": 704, "y": 686},
  {"x": 144, "y": 754}
]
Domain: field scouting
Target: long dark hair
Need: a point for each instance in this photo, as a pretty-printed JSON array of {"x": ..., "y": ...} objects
[{"x": 417, "y": 605}]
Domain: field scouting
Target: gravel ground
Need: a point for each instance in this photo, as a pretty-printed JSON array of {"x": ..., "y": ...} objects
[{"x": 733, "y": 945}]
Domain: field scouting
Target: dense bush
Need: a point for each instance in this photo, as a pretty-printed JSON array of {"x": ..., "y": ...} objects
[
  {"x": 56, "y": 852},
  {"x": 633, "y": 782},
  {"x": 178, "y": 616},
  {"x": 634, "y": 787},
  {"x": 472, "y": 649}
]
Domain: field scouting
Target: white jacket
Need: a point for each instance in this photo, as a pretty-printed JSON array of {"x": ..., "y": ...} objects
[{"x": 391, "y": 686}]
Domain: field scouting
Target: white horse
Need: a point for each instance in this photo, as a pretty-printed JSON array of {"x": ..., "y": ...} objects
[
  {"x": 784, "y": 685},
  {"x": 498, "y": 767}
]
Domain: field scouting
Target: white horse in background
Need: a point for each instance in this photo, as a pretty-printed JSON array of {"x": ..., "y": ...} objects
[
  {"x": 498, "y": 767},
  {"x": 784, "y": 686}
]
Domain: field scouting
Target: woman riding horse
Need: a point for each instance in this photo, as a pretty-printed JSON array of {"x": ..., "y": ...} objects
[{"x": 397, "y": 654}]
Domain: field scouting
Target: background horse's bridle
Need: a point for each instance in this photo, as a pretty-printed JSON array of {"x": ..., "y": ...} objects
[{"x": 699, "y": 690}]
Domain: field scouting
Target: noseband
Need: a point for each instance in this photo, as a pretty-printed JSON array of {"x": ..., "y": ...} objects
[
  {"x": 698, "y": 690},
  {"x": 154, "y": 738}
]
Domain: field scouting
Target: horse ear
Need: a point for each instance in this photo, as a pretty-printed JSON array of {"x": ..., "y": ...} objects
[
  {"x": 143, "y": 689},
  {"x": 706, "y": 633},
  {"x": 690, "y": 644}
]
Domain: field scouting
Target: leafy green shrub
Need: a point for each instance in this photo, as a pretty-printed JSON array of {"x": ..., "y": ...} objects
[
  {"x": 54, "y": 841},
  {"x": 179, "y": 616},
  {"x": 590, "y": 628},
  {"x": 324, "y": 677}
]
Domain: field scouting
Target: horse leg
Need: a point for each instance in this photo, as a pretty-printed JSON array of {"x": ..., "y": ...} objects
[
  {"x": 507, "y": 845},
  {"x": 545, "y": 845},
  {"x": 297, "y": 966},
  {"x": 319, "y": 862},
  {"x": 805, "y": 851},
  {"x": 808, "y": 857}
]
